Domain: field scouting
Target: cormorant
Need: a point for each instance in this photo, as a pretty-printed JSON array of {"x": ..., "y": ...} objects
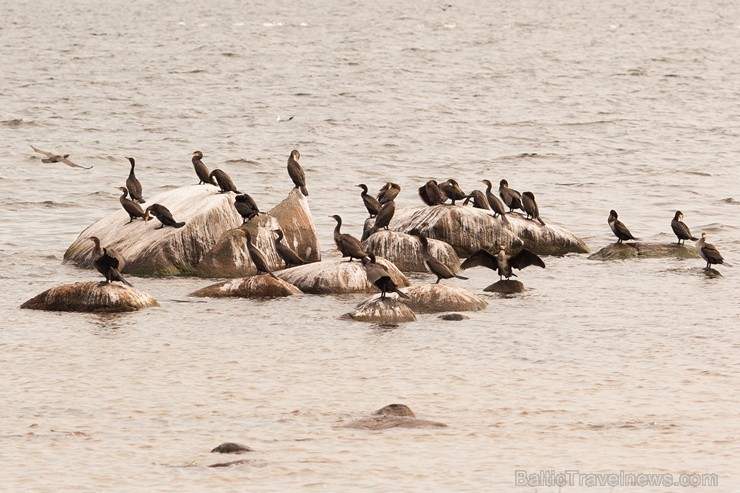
[
  {"x": 133, "y": 209},
  {"x": 246, "y": 207},
  {"x": 709, "y": 252},
  {"x": 494, "y": 202},
  {"x": 436, "y": 267},
  {"x": 511, "y": 197},
  {"x": 388, "y": 192},
  {"x": 479, "y": 200},
  {"x": 58, "y": 158},
  {"x": 452, "y": 190},
  {"x": 285, "y": 252},
  {"x": 201, "y": 169},
  {"x": 163, "y": 214},
  {"x": 680, "y": 229},
  {"x": 346, "y": 243},
  {"x": 379, "y": 277},
  {"x": 258, "y": 258},
  {"x": 108, "y": 262},
  {"x": 133, "y": 184},
  {"x": 618, "y": 227},
  {"x": 223, "y": 181},
  {"x": 530, "y": 207},
  {"x": 431, "y": 194},
  {"x": 382, "y": 220},
  {"x": 296, "y": 172},
  {"x": 371, "y": 203},
  {"x": 503, "y": 262}
]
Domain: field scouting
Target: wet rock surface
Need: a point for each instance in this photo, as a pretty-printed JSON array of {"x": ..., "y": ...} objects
[{"x": 91, "y": 296}]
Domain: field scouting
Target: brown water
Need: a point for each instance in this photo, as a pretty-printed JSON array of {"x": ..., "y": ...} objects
[{"x": 598, "y": 367}]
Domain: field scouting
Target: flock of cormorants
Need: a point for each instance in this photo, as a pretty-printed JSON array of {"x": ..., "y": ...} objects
[{"x": 381, "y": 207}]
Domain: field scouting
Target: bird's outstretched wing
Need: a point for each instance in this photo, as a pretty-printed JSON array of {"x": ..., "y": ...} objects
[
  {"x": 525, "y": 258},
  {"x": 47, "y": 154},
  {"x": 481, "y": 258},
  {"x": 71, "y": 164},
  {"x": 56, "y": 158}
]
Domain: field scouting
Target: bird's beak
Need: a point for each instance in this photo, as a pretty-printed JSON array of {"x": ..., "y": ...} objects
[{"x": 146, "y": 217}]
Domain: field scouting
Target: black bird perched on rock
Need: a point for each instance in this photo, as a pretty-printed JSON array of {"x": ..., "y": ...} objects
[
  {"x": 133, "y": 184},
  {"x": 388, "y": 192},
  {"x": 530, "y": 207},
  {"x": 382, "y": 220},
  {"x": 511, "y": 197},
  {"x": 709, "y": 252},
  {"x": 223, "y": 181},
  {"x": 497, "y": 206},
  {"x": 201, "y": 169},
  {"x": 163, "y": 214},
  {"x": 452, "y": 190},
  {"x": 680, "y": 229},
  {"x": 618, "y": 227},
  {"x": 258, "y": 258},
  {"x": 133, "y": 209},
  {"x": 379, "y": 277},
  {"x": 371, "y": 203},
  {"x": 58, "y": 158},
  {"x": 431, "y": 194},
  {"x": 246, "y": 207},
  {"x": 346, "y": 243},
  {"x": 502, "y": 262},
  {"x": 436, "y": 267},
  {"x": 285, "y": 252},
  {"x": 479, "y": 200},
  {"x": 296, "y": 172},
  {"x": 108, "y": 262}
]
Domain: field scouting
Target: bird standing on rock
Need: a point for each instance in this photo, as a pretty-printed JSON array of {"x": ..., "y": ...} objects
[
  {"x": 431, "y": 194},
  {"x": 108, "y": 262},
  {"x": 285, "y": 252},
  {"x": 379, "y": 277},
  {"x": 388, "y": 192},
  {"x": 530, "y": 207},
  {"x": 680, "y": 229},
  {"x": 452, "y": 190},
  {"x": 502, "y": 262},
  {"x": 709, "y": 252},
  {"x": 246, "y": 207},
  {"x": 497, "y": 206},
  {"x": 201, "y": 169},
  {"x": 163, "y": 214},
  {"x": 371, "y": 203},
  {"x": 133, "y": 184},
  {"x": 511, "y": 197},
  {"x": 618, "y": 227},
  {"x": 347, "y": 244},
  {"x": 258, "y": 258},
  {"x": 436, "y": 267},
  {"x": 133, "y": 209},
  {"x": 295, "y": 171},
  {"x": 223, "y": 181}
]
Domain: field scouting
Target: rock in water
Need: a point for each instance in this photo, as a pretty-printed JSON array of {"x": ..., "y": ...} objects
[
  {"x": 168, "y": 251},
  {"x": 337, "y": 276},
  {"x": 229, "y": 258},
  {"x": 469, "y": 229},
  {"x": 505, "y": 286},
  {"x": 261, "y": 286},
  {"x": 621, "y": 251},
  {"x": 404, "y": 250},
  {"x": 389, "y": 310},
  {"x": 231, "y": 448},
  {"x": 91, "y": 296},
  {"x": 433, "y": 298},
  {"x": 393, "y": 416}
]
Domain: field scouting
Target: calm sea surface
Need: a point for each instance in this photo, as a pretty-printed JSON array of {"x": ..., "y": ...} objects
[{"x": 598, "y": 367}]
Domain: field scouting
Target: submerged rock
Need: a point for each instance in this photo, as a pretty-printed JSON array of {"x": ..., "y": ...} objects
[
  {"x": 229, "y": 257},
  {"x": 152, "y": 251},
  {"x": 393, "y": 416},
  {"x": 432, "y": 298},
  {"x": 404, "y": 250},
  {"x": 621, "y": 251},
  {"x": 454, "y": 317},
  {"x": 231, "y": 448},
  {"x": 389, "y": 310},
  {"x": 91, "y": 296},
  {"x": 261, "y": 286},
  {"x": 337, "y": 276},
  {"x": 470, "y": 229},
  {"x": 505, "y": 286}
]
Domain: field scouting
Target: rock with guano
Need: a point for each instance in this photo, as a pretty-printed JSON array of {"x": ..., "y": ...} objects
[{"x": 91, "y": 296}]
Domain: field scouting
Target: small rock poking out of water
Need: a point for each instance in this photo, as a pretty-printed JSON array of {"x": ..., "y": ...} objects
[
  {"x": 337, "y": 276},
  {"x": 454, "y": 317},
  {"x": 505, "y": 286},
  {"x": 231, "y": 448},
  {"x": 91, "y": 296},
  {"x": 388, "y": 310},
  {"x": 260, "y": 286},
  {"x": 393, "y": 416},
  {"x": 622, "y": 251},
  {"x": 404, "y": 250},
  {"x": 434, "y": 298}
]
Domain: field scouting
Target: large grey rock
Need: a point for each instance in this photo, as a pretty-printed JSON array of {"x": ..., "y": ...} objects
[
  {"x": 433, "y": 298},
  {"x": 229, "y": 257},
  {"x": 621, "y": 251},
  {"x": 470, "y": 229},
  {"x": 168, "y": 251},
  {"x": 261, "y": 286},
  {"x": 91, "y": 296},
  {"x": 337, "y": 276},
  {"x": 404, "y": 250},
  {"x": 389, "y": 310}
]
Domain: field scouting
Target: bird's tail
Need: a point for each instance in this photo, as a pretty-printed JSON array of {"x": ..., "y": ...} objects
[
  {"x": 401, "y": 294},
  {"x": 541, "y": 221},
  {"x": 694, "y": 239},
  {"x": 179, "y": 225},
  {"x": 369, "y": 232},
  {"x": 123, "y": 280},
  {"x": 461, "y": 277},
  {"x": 272, "y": 275},
  {"x": 141, "y": 201},
  {"x": 304, "y": 191},
  {"x": 504, "y": 218}
]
